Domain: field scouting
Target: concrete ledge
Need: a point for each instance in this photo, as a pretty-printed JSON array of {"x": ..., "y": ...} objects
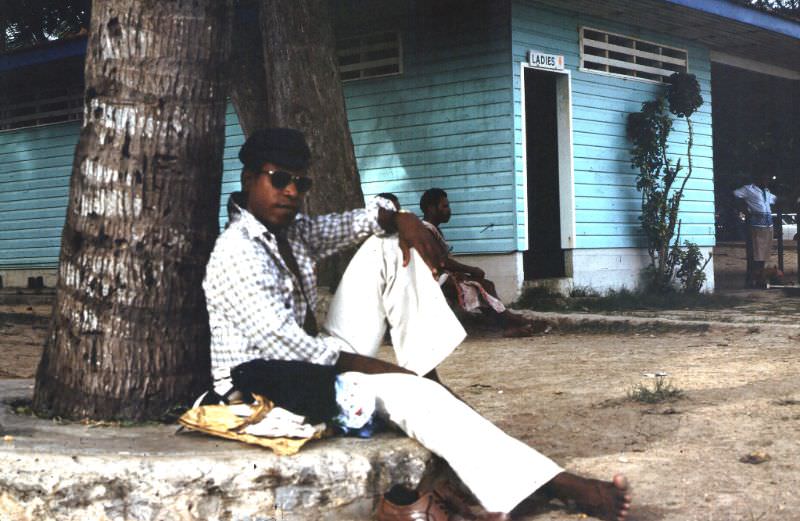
[{"x": 75, "y": 472}]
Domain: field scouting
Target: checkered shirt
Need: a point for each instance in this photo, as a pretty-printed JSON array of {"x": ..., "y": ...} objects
[{"x": 256, "y": 305}]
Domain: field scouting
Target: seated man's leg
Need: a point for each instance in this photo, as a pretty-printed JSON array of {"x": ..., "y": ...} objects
[
  {"x": 501, "y": 472},
  {"x": 377, "y": 288}
]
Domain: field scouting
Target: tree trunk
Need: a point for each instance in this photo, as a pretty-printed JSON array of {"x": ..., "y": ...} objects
[
  {"x": 304, "y": 92},
  {"x": 247, "y": 83},
  {"x": 129, "y": 335}
]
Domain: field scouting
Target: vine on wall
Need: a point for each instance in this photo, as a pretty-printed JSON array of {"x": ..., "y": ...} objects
[{"x": 672, "y": 267}]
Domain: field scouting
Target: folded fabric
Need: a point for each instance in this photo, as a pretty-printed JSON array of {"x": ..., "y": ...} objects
[
  {"x": 281, "y": 423},
  {"x": 356, "y": 401},
  {"x": 223, "y": 421}
]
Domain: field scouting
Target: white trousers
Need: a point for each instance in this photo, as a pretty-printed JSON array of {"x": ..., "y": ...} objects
[
  {"x": 376, "y": 289},
  {"x": 500, "y": 470}
]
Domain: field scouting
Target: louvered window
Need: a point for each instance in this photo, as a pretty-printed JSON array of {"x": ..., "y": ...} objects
[
  {"x": 42, "y": 94},
  {"x": 370, "y": 56},
  {"x": 622, "y": 55},
  {"x": 42, "y": 108}
]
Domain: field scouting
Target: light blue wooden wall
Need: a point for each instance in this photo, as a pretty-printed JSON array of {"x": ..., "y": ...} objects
[
  {"x": 452, "y": 120},
  {"x": 35, "y": 166},
  {"x": 231, "y": 166},
  {"x": 445, "y": 122},
  {"x": 606, "y": 200}
]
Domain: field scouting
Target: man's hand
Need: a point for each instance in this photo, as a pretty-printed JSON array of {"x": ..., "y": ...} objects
[
  {"x": 365, "y": 364},
  {"x": 413, "y": 234}
]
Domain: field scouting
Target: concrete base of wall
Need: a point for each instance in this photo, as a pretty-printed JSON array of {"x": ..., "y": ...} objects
[
  {"x": 616, "y": 268},
  {"x": 18, "y": 278},
  {"x": 504, "y": 269},
  {"x": 598, "y": 270}
]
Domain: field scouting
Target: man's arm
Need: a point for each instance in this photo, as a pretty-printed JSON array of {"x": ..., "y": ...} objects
[
  {"x": 741, "y": 205},
  {"x": 331, "y": 233},
  {"x": 473, "y": 271},
  {"x": 364, "y": 364}
]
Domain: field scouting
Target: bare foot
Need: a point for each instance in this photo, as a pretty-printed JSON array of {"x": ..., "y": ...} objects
[{"x": 608, "y": 500}]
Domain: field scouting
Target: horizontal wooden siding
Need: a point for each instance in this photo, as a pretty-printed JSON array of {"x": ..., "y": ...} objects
[
  {"x": 607, "y": 204},
  {"x": 446, "y": 121},
  {"x": 35, "y": 167}
]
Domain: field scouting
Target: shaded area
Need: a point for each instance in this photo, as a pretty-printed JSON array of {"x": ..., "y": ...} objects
[{"x": 755, "y": 130}]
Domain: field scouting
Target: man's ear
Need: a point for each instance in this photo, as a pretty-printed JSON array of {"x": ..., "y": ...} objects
[{"x": 248, "y": 176}]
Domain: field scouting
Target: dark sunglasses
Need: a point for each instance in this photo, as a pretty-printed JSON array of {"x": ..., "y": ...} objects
[{"x": 280, "y": 179}]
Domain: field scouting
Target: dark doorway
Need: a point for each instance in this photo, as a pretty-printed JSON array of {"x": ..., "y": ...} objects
[{"x": 544, "y": 258}]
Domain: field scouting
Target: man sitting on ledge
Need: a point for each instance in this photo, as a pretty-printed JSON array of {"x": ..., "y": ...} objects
[
  {"x": 466, "y": 287},
  {"x": 261, "y": 291}
]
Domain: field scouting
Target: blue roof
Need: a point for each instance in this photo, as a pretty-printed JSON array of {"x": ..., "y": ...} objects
[
  {"x": 56, "y": 50},
  {"x": 746, "y": 15}
]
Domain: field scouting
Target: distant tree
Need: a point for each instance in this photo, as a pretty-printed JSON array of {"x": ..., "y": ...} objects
[
  {"x": 129, "y": 335},
  {"x": 30, "y": 22},
  {"x": 788, "y": 8}
]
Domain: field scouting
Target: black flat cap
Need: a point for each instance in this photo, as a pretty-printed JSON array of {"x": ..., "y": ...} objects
[{"x": 284, "y": 147}]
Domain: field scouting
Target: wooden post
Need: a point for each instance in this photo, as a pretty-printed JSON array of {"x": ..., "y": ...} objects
[
  {"x": 749, "y": 251},
  {"x": 780, "y": 240}
]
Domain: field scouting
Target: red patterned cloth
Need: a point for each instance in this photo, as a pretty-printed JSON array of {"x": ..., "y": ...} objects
[{"x": 470, "y": 294}]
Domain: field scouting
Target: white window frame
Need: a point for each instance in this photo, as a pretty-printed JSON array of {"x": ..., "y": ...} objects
[
  {"x": 566, "y": 170},
  {"x": 634, "y": 67},
  {"x": 361, "y": 66}
]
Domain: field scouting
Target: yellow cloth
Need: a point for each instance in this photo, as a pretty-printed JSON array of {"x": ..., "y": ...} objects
[{"x": 219, "y": 420}]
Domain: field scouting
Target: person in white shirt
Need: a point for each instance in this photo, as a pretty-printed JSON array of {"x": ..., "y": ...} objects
[{"x": 756, "y": 200}]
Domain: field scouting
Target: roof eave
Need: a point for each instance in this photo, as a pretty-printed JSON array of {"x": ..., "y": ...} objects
[{"x": 742, "y": 14}]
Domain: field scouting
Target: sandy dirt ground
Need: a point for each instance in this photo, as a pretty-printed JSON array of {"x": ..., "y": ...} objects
[
  {"x": 730, "y": 262},
  {"x": 22, "y": 333},
  {"x": 567, "y": 395}
]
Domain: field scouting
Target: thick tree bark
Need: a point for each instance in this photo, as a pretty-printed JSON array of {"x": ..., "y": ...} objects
[
  {"x": 247, "y": 83},
  {"x": 304, "y": 92},
  {"x": 129, "y": 335}
]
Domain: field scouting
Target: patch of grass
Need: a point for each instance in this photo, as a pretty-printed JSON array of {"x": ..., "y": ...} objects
[
  {"x": 661, "y": 391},
  {"x": 582, "y": 292},
  {"x": 604, "y": 327},
  {"x": 22, "y": 406},
  {"x": 587, "y": 300}
]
